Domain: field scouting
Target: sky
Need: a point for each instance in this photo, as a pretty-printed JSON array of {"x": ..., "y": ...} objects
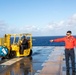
[{"x": 38, "y": 17}]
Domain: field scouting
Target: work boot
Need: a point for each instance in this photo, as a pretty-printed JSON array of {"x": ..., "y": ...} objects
[
  {"x": 73, "y": 71},
  {"x": 67, "y": 72}
]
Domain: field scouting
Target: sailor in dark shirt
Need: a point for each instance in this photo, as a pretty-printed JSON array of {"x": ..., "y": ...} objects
[{"x": 24, "y": 44}]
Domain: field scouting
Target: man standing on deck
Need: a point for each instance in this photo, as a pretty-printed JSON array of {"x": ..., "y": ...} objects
[{"x": 69, "y": 49}]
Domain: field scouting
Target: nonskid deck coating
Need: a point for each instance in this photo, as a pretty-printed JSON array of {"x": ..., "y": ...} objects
[
  {"x": 27, "y": 65},
  {"x": 53, "y": 65}
]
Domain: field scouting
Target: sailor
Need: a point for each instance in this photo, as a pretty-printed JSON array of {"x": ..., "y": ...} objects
[
  {"x": 69, "y": 49},
  {"x": 24, "y": 44}
]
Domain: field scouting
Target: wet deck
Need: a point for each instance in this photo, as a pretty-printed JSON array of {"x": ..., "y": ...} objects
[
  {"x": 44, "y": 61},
  {"x": 53, "y": 65}
]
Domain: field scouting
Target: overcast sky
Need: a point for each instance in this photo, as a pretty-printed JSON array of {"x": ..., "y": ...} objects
[{"x": 38, "y": 17}]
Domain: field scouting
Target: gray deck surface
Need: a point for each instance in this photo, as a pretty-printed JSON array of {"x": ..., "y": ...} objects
[{"x": 44, "y": 61}]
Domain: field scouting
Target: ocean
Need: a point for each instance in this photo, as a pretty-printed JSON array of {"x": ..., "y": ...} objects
[{"x": 44, "y": 41}]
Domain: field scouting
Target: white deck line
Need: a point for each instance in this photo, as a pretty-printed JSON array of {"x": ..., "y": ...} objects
[{"x": 12, "y": 61}]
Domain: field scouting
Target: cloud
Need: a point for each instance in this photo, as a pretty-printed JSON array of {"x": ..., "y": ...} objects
[
  {"x": 61, "y": 27},
  {"x": 52, "y": 28},
  {"x": 72, "y": 20},
  {"x": 3, "y": 28},
  {"x": 24, "y": 29}
]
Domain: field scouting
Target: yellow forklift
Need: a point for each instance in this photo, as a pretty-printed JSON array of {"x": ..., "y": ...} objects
[{"x": 13, "y": 42}]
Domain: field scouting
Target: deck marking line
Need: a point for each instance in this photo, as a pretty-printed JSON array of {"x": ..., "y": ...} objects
[{"x": 12, "y": 61}]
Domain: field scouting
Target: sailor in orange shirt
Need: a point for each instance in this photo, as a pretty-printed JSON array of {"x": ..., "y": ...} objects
[{"x": 70, "y": 42}]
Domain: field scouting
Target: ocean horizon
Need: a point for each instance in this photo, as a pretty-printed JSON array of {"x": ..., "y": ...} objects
[{"x": 44, "y": 41}]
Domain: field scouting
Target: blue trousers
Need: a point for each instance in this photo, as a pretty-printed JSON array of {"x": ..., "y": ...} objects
[{"x": 69, "y": 54}]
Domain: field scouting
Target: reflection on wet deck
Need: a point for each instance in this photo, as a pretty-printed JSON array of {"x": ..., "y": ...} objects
[
  {"x": 22, "y": 67},
  {"x": 44, "y": 61},
  {"x": 28, "y": 65}
]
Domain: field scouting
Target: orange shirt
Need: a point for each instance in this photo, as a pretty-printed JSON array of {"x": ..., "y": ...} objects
[{"x": 70, "y": 42}]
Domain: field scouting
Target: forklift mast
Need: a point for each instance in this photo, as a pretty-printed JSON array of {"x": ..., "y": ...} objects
[{"x": 7, "y": 41}]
